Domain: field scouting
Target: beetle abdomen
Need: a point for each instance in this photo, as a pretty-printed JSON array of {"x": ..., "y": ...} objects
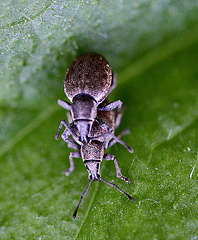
[
  {"x": 89, "y": 74},
  {"x": 93, "y": 150}
]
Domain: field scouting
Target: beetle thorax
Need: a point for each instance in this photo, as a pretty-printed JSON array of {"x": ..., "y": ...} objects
[{"x": 83, "y": 111}]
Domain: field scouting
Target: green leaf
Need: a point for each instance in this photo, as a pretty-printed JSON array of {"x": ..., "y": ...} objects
[{"x": 152, "y": 46}]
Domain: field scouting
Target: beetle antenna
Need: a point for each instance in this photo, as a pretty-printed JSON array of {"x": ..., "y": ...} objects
[
  {"x": 114, "y": 185},
  {"x": 83, "y": 194}
]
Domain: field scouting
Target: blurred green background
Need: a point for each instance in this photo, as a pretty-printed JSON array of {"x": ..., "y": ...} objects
[{"x": 153, "y": 48}]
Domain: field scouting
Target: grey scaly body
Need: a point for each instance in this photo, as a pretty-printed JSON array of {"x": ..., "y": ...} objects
[
  {"x": 92, "y": 151},
  {"x": 87, "y": 83}
]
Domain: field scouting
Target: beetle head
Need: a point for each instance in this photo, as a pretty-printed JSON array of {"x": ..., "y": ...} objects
[
  {"x": 83, "y": 111},
  {"x": 93, "y": 168}
]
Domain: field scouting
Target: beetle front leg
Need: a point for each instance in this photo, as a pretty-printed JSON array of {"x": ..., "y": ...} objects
[
  {"x": 67, "y": 132},
  {"x": 72, "y": 166},
  {"x": 73, "y": 145},
  {"x": 109, "y": 156},
  {"x": 65, "y": 137},
  {"x": 63, "y": 122},
  {"x": 64, "y": 104},
  {"x": 104, "y": 125},
  {"x": 111, "y": 106}
]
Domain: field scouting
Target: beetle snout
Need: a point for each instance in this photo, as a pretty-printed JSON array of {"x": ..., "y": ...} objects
[
  {"x": 95, "y": 177},
  {"x": 84, "y": 128},
  {"x": 93, "y": 168}
]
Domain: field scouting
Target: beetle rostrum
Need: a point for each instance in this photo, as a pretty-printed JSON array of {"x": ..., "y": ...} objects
[
  {"x": 87, "y": 83},
  {"x": 92, "y": 151}
]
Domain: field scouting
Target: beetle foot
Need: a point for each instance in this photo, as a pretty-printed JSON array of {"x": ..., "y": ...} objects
[
  {"x": 57, "y": 136},
  {"x": 67, "y": 172},
  {"x": 125, "y": 179}
]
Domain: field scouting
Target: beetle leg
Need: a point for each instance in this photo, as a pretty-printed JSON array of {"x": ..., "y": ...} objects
[
  {"x": 115, "y": 138},
  {"x": 109, "y": 156},
  {"x": 111, "y": 106},
  {"x": 104, "y": 125},
  {"x": 125, "y": 132},
  {"x": 64, "y": 104},
  {"x": 73, "y": 145},
  {"x": 114, "y": 83},
  {"x": 65, "y": 135},
  {"x": 72, "y": 166},
  {"x": 69, "y": 117},
  {"x": 118, "y": 120},
  {"x": 63, "y": 122}
]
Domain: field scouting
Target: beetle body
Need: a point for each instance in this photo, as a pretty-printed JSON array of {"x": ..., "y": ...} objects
[
  {"x": 87, "y": 83},
  {"x": 92, "y": 151},
  {"x": 90, "y": 74}
]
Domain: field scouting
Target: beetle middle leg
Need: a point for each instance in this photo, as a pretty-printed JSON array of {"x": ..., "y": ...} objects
[
  {"x": 114, "y": 82},
  {"x": 114, "y": 138},
  {"x": 72, "y": 166},
  {"x": 117, "y": 104},
  {"x": 109, "y": 156},
  {"x": 123, "y": 133},
  {"x": 118, "y": 119}
]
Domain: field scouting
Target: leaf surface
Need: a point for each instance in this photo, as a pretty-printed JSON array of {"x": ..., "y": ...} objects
[{"x": 152, "y": 46}]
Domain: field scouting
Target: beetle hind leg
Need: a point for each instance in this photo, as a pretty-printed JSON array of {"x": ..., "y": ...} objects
[
  {"x": 72, "y": 166},
  {"x": 108, "y": 157}
]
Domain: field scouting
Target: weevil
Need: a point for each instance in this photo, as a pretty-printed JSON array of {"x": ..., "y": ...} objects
[
  {"x": 92, "y": 152},
  {"x": 88, "y": 82}
]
